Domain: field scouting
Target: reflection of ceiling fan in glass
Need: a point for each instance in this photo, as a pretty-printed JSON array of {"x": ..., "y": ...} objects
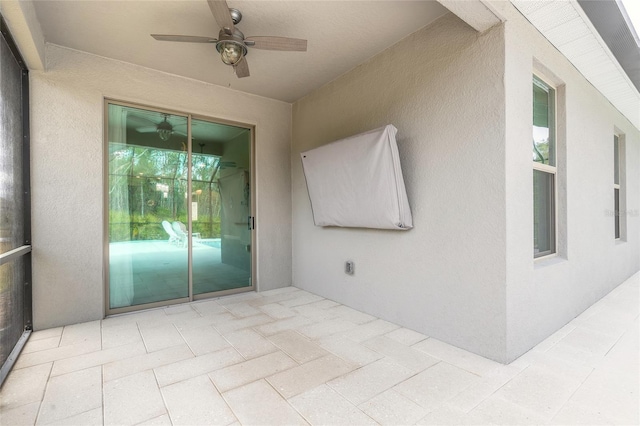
[{"x": 164, "y": 129}]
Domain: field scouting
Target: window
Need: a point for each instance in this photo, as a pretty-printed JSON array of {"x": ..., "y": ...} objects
[
  {"x": 544, "y": 168},
  {"x": 616, "y": 186}
]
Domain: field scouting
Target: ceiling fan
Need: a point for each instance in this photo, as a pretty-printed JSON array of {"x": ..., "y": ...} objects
[
  {"x": 164, "y": 129},
  {"x": 231, "y": 42}
]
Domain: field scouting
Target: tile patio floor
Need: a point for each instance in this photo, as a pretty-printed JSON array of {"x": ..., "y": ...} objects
[{"x": 290, "y": 357}]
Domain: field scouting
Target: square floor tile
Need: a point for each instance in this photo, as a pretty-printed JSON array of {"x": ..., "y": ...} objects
[
  {"x": 24, "y": 386},
  {"x": 120, "y": 335},
  {"x": 81, "y": 333},
  {"x": 296, "y": 380},
  {"x": 132, "y": 399},
  {"x": 406, "y": 356},
  {"x": 406, "y": 336},
  {"x": 41, "y": 344},
  {"x": 137, "y": 364},
  {"x": 283, "y": 324},
  {"x": 162, "y": 420},
  {"x": 249, "y": 371},
  {"x": 495, "y": 410},
  {"x": 352, "y": 315},
  {"x": 88, "y": 418},
  {"x": 193, "y": 367},
  {"x": 277, "y": 311},
  {"x": 47, "y": 355},
  {"x": 349, "y": 350},
  {"x": 23, "y": 415},
  {"x": 456, "y": 356},
  {"x": 258, "y": 403},
  {"x": 196, "y": 402},
  {"x": 240, "y": 323},
  {"x": 369, "y": 330},
  {"x": 324, "y": 406},
  {"x": 209, "y": 307},
  {"x": 203, "y": 340},
  {"x": 161, "y": 337},
  {"x": 435, "y": 385},
  {"x": 325, "y": 328},
  {"x": 540, "y": 390},
  {"x": 46, "y": 333},
  {"x": 472, "y": 396},
  {"x": 297, "y": 346},
  {"x": 96, "y": 358},
  {"x": 364, "y": 383},
  {"x": 71, "y": 394},
  {"x": 249, "y": 343},
  {"x": 242, "y": 309},
  {"x": 391, "y": 408}
]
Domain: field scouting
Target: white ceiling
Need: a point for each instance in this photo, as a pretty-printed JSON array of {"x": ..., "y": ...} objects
[{"x": 340, "y": 34}]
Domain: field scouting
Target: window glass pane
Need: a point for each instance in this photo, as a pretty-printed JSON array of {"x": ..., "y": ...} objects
[
  {"x": 147, "y": 187},
  {"x": 616, "y": 211},
  {"x": 543, "y": 123},
  {"x": 220, "y": 207},
  {"x": 11, "y": 187},
  {"x": 543, "y": 214},
  {"x": 616, "y": 160}
]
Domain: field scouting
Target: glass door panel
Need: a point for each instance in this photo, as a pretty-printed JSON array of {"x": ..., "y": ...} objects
[
  {"x": 147, "y": 206},
  {"x": 220, "y": 202}
]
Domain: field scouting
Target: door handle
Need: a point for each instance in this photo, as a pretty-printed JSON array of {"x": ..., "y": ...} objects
[{"x": 251, "y": 223}]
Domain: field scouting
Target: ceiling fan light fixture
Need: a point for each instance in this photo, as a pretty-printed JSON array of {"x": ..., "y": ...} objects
[
  {"x": 165, "y": 130},
  {"x": 231, "y": 51}
]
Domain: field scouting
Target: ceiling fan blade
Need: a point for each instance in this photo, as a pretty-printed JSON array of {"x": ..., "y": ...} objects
[
  {"x": 149, "y": 129},
  {"x": 184, "y": 38},
  {"x": 277, "y": 43},
  {"x": 220, "y": 11},
  {"x": 242, "y": 68}
]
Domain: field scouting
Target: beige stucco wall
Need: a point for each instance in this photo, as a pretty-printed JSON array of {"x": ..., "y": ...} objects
[
  {"x": 543, "y": 296},
  {"x": 67, "y": 177},
  {"x": 442, "y": 87},
  {"x": 465, "y": 274}
]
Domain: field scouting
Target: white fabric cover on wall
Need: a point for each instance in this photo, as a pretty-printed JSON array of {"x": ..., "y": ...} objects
[{"x": 357, "y": 182}]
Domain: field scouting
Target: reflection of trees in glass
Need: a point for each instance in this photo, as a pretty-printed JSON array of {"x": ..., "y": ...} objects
[
  {"x": 149, "y": 185},
  {"x": 205, "y": 172},
  {"x": 541, "y": 151}
]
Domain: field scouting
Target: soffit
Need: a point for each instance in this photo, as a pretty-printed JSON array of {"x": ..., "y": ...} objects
[{"x": 567, "y": 27}]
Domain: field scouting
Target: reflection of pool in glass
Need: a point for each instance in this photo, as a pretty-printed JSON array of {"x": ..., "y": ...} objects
[
  {"x": 152, "y": 271},
  {"x": 215, "y": 243}
]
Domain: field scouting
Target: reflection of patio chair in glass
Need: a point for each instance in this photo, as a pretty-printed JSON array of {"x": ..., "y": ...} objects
[
  {"x": 181, "y": 232},
  {"x": 173, "y": 237}
]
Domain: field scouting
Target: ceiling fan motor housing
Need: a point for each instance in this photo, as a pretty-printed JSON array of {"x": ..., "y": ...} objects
[{"x": 236, "y": 16}]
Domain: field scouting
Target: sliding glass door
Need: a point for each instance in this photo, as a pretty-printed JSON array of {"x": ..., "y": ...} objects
[
  {"x": 178, "y": 201},
  {"x": 221, "y": 207}
]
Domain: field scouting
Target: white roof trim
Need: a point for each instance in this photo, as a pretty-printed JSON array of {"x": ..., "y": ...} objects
[
  {"x": 24, "y": 26},
  {"x": 567, "y": 27},
  {"x": 479, "y": 14}
]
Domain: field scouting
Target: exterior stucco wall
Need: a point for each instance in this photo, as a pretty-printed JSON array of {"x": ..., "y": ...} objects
[
  {"x": 442, "y": 87},
  {"x": 544, "y": 295},
  {"x": 67, "y": 173}
]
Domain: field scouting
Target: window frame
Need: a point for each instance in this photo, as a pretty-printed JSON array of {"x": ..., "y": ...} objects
[
  {"x": 549, "y": 169},
  {"x": 617, "y": 186}
]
